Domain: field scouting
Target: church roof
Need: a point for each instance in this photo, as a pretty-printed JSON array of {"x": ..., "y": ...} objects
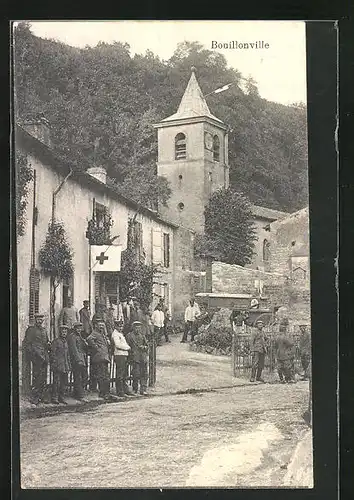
[{"x": 193, "y": 103}]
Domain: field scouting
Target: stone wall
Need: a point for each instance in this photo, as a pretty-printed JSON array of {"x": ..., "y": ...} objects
[
  {"x": 228, "y": 278},
  {"x": 277, "y": 289},
  {"x": 289, "y": 241}
]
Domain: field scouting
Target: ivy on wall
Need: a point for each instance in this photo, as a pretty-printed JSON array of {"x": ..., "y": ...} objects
[
  {"x": 136, "y": 277},
  {"x": 56, "y": 260},
  {"x": 24, "y": 175}
]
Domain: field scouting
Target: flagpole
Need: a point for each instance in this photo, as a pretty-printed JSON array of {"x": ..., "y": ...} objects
[{"x": 221, "y": 89}]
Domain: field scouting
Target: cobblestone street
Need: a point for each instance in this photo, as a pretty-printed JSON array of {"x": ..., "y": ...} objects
[{"x": 237, "y": 436}]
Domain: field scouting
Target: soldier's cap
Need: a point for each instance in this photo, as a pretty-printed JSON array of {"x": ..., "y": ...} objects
[
  {"x": 78, "y": 323},
  {"x": 259, "y": 321},
  {"x": 61, "y": 327},
  {"x": 136, "y": 323},
  {"x": 39, "y": 315}
]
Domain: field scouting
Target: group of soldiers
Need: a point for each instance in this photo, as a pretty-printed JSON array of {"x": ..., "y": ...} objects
[
  {"x": 126, "y": 338},
  {"x": 284, "y": 351}
]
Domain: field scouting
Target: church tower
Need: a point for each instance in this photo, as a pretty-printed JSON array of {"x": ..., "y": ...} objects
[{"x": 193, "y": 156}]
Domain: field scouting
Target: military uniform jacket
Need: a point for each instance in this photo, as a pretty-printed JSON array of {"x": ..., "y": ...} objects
[
  {"x": 284, "y": 348},
  {"x": 305, "y": 344},
  {"x": 258, "y": 342},
  {"x": 36, "y": 343},
  {"x": 100, "y": 347},
  {"x": 139, "y": 346},
  {"x": 77, "y": 349},
  {"x": 68, "y": 316},
  {"x": 86, "y": 321},
  {"x": 60, "y": 360}
]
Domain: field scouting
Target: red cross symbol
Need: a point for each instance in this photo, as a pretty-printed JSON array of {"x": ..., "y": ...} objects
[{"x": 101, "y": 258}]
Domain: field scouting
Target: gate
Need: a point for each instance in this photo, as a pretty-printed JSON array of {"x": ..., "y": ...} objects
[{"x": 241, "y": 356}]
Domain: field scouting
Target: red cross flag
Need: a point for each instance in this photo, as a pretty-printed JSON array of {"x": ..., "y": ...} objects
[{"x": 105, "y": 257}]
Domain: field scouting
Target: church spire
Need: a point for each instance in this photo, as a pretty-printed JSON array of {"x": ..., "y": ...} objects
[{"x": 193, "y": 104}]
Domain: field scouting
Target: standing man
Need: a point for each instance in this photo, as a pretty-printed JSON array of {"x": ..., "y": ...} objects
[
  {"x": 121, "y": 350},
  {"x": 191, "y": 315},
  {"x": 139, "y": 351},
  {"x": 258, "y": 347},
  {"x": 85, "y": 319},
  {"x": 167, "y": 318},
  {"x": 284, "y": 351},
  {"x": 110, "y": 323},
  {"x": 158, "y": 320},
  {"x": 100, "y": 348},
  {"x": 36, "y": 346},
  {"x": 78, "y": 358},
  {"x": 305, "y": 350},
  {"x": 61, "y": 366},
  {"x": 100, "y": 315},
  {"x": 69, "y": 315}
]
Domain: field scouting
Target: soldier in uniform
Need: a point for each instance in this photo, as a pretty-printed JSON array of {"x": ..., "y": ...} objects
[
  {"x": 100, "y": 346},
  {"x": 258, "y": 348},
  {"x": 61, "y": 366},
  {"x": 110, "y": 321},
  {"x": 305, "y": 350},
  {"x": 284, "y": 349},
  {"x": 85, "y": 318},
  {"x": 36, "y": 346},
  {"x": 78, "y": 357},
  {"x": 139, "y": 354},
  {"x": 69, "y": 315}
]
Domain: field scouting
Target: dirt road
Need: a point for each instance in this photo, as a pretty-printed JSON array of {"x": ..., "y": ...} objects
[{"x": 235, "y": 437}]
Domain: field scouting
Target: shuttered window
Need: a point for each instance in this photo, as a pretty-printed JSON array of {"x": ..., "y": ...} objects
[
  {"x": 216, "y": 148},
  {"x": 180, "y": 147},
  {"x": 157, "y": 246},
  {"x": 33, "y": 293},
  {"x": 166, "y": 250},
  {"x": 138, "y": 228}
]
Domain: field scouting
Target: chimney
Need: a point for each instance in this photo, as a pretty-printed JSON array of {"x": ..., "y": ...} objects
[
  {"x": 39, "y": 128},
  {"x": 98, "y": 173}
]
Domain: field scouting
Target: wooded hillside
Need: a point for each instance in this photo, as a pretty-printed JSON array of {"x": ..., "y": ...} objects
[{"x": 101, "y": 103}]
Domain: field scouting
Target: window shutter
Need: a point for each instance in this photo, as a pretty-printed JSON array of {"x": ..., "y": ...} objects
[
  {"x": 33, "y": 294},
  {"x": 139, "y": 238},
  {"x": 156, "y": 292},
  {"x": 157, "y": 256},
  {"x": 97, "y": 287},
  {"x": 166, "y": 250}
]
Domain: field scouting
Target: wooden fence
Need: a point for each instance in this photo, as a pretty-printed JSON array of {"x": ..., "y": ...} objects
[{"x": 241, "y": 356}]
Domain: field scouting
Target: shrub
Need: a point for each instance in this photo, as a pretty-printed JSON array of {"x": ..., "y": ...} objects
[{"x": 218, "y": 333}]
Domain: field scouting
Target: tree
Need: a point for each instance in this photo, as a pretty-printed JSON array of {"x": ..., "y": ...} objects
[
  {"x": 24, "y": 175},
  {"x": 229, "y": 229},
  {"x": 55, "y": 258},
  {"x": 102, "y": 95}
]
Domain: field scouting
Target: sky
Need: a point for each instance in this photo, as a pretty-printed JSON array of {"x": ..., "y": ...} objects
[{"x": 280, "y": 70}]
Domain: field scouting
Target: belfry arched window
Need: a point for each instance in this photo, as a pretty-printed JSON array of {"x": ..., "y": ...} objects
[
  {"x": 180, "y": 147},
  {"x": 266, "y": 251},
  {"x": 216, "y": 148}
]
